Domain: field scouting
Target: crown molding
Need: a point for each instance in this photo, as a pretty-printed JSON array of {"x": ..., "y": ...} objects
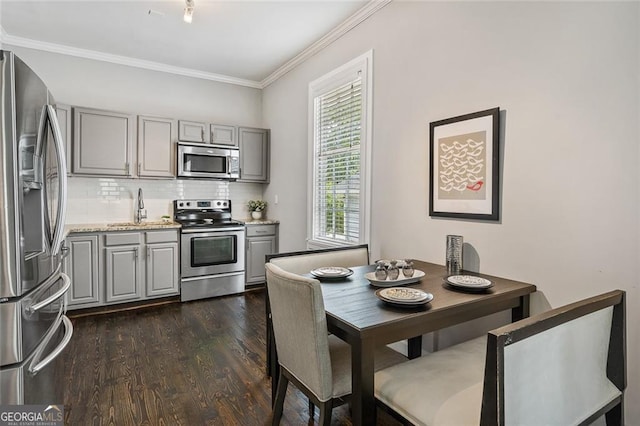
[
  {"x": 350, "y": 23},
  {"x": 124, "y": 60},
  {"x": 354, "y": 20}
]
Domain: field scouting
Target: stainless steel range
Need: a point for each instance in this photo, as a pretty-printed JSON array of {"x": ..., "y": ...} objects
[{"x": 212, "y": 249}]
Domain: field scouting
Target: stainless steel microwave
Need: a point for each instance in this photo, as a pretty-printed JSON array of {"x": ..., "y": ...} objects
[{"x": 208, "y": 161}]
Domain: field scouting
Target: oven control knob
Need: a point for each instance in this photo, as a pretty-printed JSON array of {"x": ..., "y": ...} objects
[
  {"x": 180, "y": 204},
  {"x": 188, "y": 203},
  {"x": 217, "y": 203}
]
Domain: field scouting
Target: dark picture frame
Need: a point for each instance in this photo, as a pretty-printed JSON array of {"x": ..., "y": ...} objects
[{"x": 464, "y": 178}]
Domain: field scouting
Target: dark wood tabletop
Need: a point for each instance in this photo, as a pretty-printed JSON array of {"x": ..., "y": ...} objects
[
  {"x": 358, "y": 316},
  {"x": 352, "y": 304}
]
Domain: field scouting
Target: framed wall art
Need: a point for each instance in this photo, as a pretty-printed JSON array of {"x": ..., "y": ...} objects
[{"x": 464, "y": 171}]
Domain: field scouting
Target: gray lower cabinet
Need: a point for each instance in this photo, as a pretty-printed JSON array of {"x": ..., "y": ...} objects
[
  {"x": 118, "y": 267},
  {"x": 123, "y": 272},
  {"x": 162, "y": 275},
  {"x": 82, "y": 266},
  {"x": 103, "y": 142},
  {"x": 261, "y": 240},
  {"x": 254, "y": 154}
]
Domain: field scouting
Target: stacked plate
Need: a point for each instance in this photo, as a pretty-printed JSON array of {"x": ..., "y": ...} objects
[
  {"x": 404, "y": 297},
  {"x": 331, "y": 272},
  {"x": 468, "y": 282}
]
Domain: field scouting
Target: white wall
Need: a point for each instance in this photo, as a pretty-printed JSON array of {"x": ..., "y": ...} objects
[
  {"x": 565, "y": 76},
  {"x": 89, "y": 83}
]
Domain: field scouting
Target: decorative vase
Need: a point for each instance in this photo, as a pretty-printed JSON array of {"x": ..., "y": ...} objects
[{"x": 256, "y": 215}]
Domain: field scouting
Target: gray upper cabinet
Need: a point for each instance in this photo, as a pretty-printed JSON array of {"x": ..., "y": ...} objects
[
  {"x": 156, "y": 149},
  {"x": 193, "y": 131},
  {"x": 64, "y": 119},
  {"x": 254, "y": 154},
  {"x": 102, "y": 142},
  {"x": 224, "y": 135}
]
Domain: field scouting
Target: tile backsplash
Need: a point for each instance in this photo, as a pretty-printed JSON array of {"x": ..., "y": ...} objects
[{"x": 99, "y": 200}]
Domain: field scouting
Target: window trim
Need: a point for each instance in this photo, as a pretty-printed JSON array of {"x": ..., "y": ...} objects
[{"x": 329, "y": 81}]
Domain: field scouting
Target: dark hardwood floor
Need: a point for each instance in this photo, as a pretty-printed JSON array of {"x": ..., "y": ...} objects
[{"x": 195, "y": 363}]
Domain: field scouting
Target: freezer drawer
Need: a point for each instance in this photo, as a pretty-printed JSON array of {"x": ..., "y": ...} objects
[
  {"x": 25, "y": 322},
  {"x": 36, "y": 380}
]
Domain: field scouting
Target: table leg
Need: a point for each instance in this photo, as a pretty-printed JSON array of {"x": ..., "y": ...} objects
[
  {"x": 414, "y": 347},
  {"x": 522, "y": 310},
  {"x": 363, "y": 403}
]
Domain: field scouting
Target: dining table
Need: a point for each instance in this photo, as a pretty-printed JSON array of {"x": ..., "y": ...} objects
[{"x": 357, "y": 315}]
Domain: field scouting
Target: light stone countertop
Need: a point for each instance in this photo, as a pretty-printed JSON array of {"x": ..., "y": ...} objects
[
  {"x": 250, "y": 222},
  {"x": 119, "y": 226},
  {"x": 151, "y": 225}
]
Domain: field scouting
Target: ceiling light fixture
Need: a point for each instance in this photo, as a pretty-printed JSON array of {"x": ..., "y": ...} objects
[{"x": 188, "y": 11}]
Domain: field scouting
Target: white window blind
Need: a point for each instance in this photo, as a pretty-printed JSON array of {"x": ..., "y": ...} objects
[
  {"x": 337, "y": 164},
  {"x": 339, "y": 155}
]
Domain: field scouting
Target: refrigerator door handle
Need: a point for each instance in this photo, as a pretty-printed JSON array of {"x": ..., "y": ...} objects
[
  {"x": 58, "y": 233},
  {"x": 65, "y": 286},
  {"x": 39, "y": 365}
]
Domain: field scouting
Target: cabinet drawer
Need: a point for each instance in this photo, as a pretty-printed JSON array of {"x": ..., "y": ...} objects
[
  {"x": 162, "y": 237},
  {"x": 118, "y": 239},
  {"x": 261, "y": 230}
]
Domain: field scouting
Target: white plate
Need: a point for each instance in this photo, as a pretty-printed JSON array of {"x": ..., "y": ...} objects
[
  {"x": 331, "y": 272},
  {"x": 401, "y": 280},
  {"x": 403, "y": 296},
  {"x": 468, "y": 281}
]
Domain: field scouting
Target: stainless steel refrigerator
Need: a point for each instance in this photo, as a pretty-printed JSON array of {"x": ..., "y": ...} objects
[{"x": 33, "y": 184}]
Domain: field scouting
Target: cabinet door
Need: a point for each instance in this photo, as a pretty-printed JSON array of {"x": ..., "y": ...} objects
[
  {"x": 64, "y": 119},
  {"x": 102, "y": 142},
  {"x": 257, "y": 249},
  {"x": 224, "y": 135},
  {"x": 162, "y": 269},
  {"x": 156, "y": 149},
  {"x": 193, "y": 131},
  {"x": 81, "y": 265},
  {"x": 122, "y": 273},
  {"x": 254, "y": 155}
]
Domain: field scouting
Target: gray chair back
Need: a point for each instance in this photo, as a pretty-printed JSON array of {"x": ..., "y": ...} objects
[
  {"x": 565, "y": 366},
  {"x": 300, "y": 329},
  {"x": 301, "y": 262}
]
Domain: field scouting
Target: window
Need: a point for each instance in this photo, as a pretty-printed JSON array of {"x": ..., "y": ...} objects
[{"x": 339, "y": 155}]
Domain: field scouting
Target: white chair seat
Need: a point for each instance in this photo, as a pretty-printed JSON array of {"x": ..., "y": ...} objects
[{"x": 417, "y": 389}]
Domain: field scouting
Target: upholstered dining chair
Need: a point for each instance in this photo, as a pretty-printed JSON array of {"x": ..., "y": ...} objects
[
  {"x": 317, "y": 363},
  {"x": 565, "y": 366},
  {"x": 301, "y": 262}
]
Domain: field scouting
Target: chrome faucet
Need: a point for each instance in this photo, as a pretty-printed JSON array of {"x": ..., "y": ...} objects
[{"x": 139, "y": 215}]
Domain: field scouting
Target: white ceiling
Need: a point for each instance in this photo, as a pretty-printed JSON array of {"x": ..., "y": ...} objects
[{"x": 244, "y": 42}]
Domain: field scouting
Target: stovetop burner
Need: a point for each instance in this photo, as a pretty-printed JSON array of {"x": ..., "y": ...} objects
[
  {"x": 204, "y": 214},
  {"x": 209, "y": 223}
]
